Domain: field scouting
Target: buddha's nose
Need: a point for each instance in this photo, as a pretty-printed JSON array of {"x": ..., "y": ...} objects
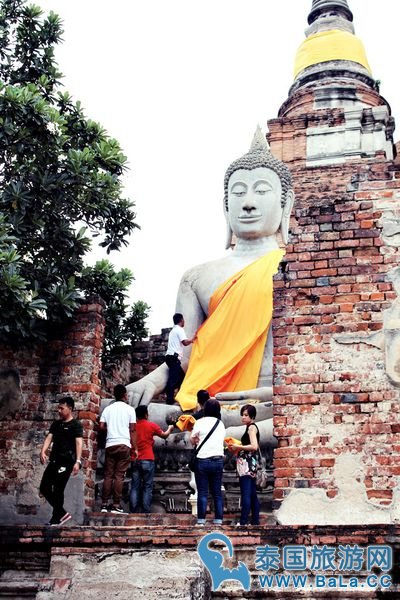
[{"x": 248, "y": 204}]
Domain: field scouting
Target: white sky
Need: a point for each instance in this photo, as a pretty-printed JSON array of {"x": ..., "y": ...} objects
[{"x": 182, "y": 84}]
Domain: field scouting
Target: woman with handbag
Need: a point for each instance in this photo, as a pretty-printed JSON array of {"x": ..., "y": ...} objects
[
  {"x": 247, "y": 463},
  {"x": 208, "y": 437}
]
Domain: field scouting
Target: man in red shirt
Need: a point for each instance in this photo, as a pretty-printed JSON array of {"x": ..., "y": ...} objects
[{"x": 143, "y": 467}]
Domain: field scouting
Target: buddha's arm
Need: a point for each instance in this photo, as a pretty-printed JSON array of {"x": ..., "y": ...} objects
[
  {"x": 188, "y": 304},
  {"x": 263, "y": 394},
  {"x": 144, "y": 390}
]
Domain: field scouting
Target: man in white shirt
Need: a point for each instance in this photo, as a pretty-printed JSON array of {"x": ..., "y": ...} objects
[
  {"x": 119, "y": 420},
  {"x": 177, "y": 339}
]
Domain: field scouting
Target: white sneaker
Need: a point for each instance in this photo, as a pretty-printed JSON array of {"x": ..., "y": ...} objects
[
  {"x": 118, "y": 510},
  {"x": 63, "y": 520}
]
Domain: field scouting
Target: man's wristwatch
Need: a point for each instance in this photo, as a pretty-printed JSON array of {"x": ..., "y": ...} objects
[{"x": 78, "y": 461}]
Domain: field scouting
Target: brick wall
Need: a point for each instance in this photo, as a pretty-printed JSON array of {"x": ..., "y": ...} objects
[
  {"x": 134, "y": 362},
  {"x": 68, "y": 365},
  {"x": 333, "y": 396}
]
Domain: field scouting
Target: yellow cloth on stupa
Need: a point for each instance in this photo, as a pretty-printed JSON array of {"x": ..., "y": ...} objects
[
  {"x": 333, "y": 44},
  {"x": 227, "y": 355},
  {"x": 186, "y": 422}
]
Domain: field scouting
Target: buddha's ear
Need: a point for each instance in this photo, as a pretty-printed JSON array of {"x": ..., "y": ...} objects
[
  {"x": 229, "y": 234},
  {"x": 287, "y": 209}
]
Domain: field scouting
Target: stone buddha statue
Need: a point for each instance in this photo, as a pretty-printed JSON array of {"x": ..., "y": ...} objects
[{"x": 229, "y": 301}]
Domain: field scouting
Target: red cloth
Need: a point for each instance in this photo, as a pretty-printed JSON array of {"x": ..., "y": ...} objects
[{"x": 145, "y": 432}]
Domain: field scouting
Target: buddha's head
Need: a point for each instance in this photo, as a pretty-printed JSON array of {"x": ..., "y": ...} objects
[{"x": 258, "y": 196}]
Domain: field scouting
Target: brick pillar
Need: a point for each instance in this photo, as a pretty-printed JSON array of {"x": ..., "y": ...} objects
[
  {"x": 80, "y": 377},
  {"x": 70, "y": 364}
]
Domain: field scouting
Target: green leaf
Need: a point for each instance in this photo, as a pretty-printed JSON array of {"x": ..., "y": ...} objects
[{"x": 60, "y": 188}]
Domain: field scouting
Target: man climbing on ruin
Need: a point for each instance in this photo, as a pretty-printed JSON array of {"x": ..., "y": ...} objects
[
  {"x": 119, "y": 420},
  {"x": 65, "y": 438},
  {"x": 177, "y": 339}
]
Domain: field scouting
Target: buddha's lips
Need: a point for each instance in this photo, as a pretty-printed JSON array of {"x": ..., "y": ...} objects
[{"x": 251, "y": 219}]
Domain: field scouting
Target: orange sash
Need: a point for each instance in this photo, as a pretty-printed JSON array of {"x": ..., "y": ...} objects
[{"x": 229, "y": 349}]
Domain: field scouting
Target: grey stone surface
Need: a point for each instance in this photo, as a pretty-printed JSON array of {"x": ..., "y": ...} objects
[
  {"x": 391, "y": 229},
  {"x": 130, "y": 575},
  {"x": 351, "y": 505},
  {"x": 10, "y": 392},
  {"x": 28, "y": 496},
  {"x": 365, "y": 132},
  {"x": 391, "y": 328}
]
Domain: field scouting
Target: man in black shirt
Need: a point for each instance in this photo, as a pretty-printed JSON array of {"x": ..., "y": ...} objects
[
  {"x": 65, "y": 438},
  {"x": 202, "y": 397}
]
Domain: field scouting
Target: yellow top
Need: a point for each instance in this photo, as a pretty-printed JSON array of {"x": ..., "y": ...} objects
[
  {"x": 330, "y": 45},
  {"x": 229, "y": 349}
]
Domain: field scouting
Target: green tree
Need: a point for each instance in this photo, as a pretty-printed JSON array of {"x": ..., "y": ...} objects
[
  {"x": 123, "y": 323},
  {"x": 60, "y": 181}
]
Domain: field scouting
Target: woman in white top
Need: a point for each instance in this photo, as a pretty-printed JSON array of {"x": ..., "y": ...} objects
[{"x": 210, "y": 461}]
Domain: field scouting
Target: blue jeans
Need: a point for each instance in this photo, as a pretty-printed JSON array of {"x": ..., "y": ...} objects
[
  {"x": 249, "y": 500},
  {"x": 209, "y": 473},
  {"x": 142, "y": 485}
]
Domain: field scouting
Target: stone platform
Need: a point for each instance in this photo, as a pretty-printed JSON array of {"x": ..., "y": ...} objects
[{"x": 146, "y": 557}]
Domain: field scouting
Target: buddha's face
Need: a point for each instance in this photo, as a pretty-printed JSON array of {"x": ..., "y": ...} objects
[{"x": 254, "y": 203}]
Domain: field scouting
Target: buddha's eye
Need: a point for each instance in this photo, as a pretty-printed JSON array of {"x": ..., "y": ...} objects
[
  {"x": 238, "y": 190},
  {"x": 261, "y": 188}
]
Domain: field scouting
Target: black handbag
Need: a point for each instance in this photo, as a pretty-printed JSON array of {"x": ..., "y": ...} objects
[
  {"x": 192, "y": 460},
  {"x": 195, "y": 451}
]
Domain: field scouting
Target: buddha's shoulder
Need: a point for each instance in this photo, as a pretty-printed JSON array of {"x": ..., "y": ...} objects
[
  {"x": 206, "y": 268},
  {"x": 207, "y": 276}
]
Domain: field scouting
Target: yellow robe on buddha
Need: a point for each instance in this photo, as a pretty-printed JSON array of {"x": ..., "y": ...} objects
[{"x": 228, "y": 352}]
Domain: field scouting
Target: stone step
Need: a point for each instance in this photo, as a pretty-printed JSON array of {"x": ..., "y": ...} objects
[
  {"x": 133, "y": 537},
  {"x": 78, "y": 553},
  {"x": 11, "y": 589},
  {"x": 170, "y": 520}
]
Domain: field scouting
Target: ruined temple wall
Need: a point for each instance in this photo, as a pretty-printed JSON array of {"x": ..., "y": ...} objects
[
  {"x": 134, "y": 362},
  {"x": 337, "y": 368},
  {"x": 67, "y": 366}
]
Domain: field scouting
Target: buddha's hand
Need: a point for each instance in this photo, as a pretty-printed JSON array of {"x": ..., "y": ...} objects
[
  {"x": 262, "y": 394},
  {"x": 141, "y": 392},
  {"x": 144, "y": 390}
]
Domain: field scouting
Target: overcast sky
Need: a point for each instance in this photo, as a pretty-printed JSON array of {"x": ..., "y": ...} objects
[{"x": 182, "y": 84}]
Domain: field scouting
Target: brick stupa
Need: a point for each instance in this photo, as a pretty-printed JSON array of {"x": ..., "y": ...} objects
[{"x": 337, "y": 319}]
